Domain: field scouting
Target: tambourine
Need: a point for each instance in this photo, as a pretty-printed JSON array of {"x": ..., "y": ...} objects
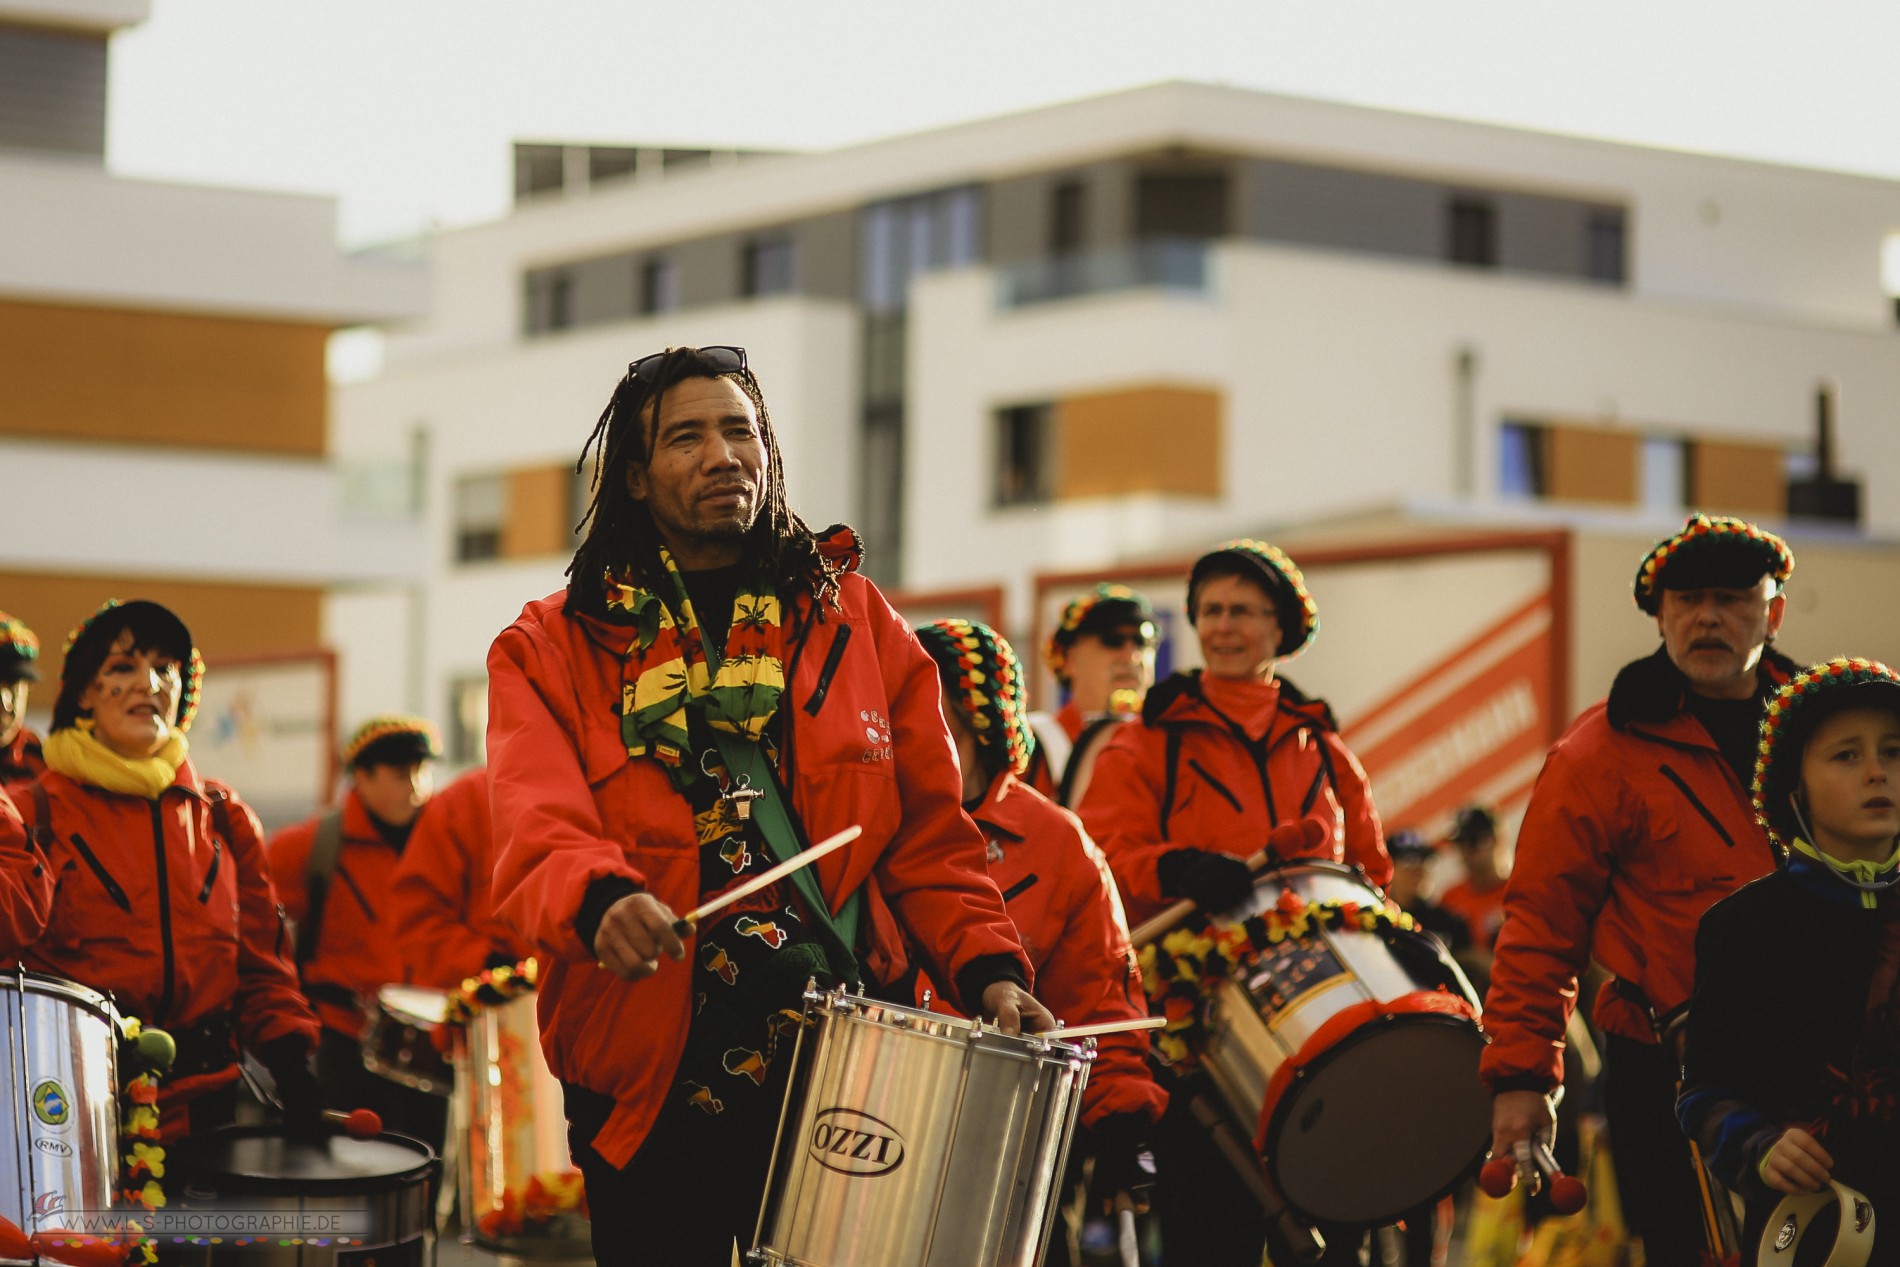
[{"x": 1796, "y": 1216}]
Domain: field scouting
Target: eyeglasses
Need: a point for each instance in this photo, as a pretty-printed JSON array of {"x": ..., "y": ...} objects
[
  {"x": 1116, "y": 639},
  {"x": 1234, "y": 611},
  {"x": 724, "y": 358}
]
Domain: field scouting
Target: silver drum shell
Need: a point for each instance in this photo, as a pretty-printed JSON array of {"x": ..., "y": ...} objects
[
  {"x": 917, "y": 1140},
  {"x": 59, "y": 1120}
]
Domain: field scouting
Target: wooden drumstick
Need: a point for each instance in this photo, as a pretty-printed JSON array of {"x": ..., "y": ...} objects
[
  {"x": 1106, "y": 1027},
  {"x": 684, "y": 924},
  {"x": 1154, "y": 927}
]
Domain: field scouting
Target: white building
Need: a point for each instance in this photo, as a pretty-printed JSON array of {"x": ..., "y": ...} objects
[
  {"x": 1122, "y": 328},
  {"x": 164, "y": 424}
]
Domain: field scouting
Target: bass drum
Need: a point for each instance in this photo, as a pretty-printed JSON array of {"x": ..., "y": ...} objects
[
  {"x": 912, "y": 1139},
  {"x": 59, "y": 1120},
  {"x": 1355, "y": 1053},
  {"x": 270, "y": 1200}
]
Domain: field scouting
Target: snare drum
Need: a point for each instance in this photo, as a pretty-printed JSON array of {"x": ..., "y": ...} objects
[
  {"x": 271, "y": 1200},
  {"x": 1356, "y": 1053},
  {"x": 59, "y": 1119},
  {"x": 400, "y": 1042},
  {"x": 519, "y": 1187},
  {"x": 911, "y": 1139}
]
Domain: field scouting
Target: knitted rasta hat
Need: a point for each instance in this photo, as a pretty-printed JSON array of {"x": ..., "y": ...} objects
[
  {"x": 984, "y": 683},
  {"x": 1103, "y": 609},
  {"x": 154, "y": 627},
  {"x": 392, "y": 739},
  {"x": 18, "y": 650},
  {"x": 1810, "y": 697},
  {"x": 1268, "y": 566},
  {"x": 1712, "y": 552}
]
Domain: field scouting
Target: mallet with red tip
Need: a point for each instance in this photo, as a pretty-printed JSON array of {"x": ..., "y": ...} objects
[{"x": 1534, "y": 1162}]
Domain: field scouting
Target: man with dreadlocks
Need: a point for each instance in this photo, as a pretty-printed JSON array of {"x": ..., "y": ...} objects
[
  {"x": 1639, "y": 822},
  {"x": 715, "y": 689},
  {"x": 1062, "y": 899}
]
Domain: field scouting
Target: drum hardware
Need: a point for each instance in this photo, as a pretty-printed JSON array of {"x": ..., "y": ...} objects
[
  {"x": 974, "y": 1124},
  {"x": 685, "y": 923},
  {"x": 399, "y": 1042}
]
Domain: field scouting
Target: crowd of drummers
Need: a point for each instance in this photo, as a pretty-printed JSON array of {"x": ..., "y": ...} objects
[{"x": 718, "y": 688}]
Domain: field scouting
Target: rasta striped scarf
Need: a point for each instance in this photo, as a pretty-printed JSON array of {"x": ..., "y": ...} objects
[{"x": 666, "y": 675}]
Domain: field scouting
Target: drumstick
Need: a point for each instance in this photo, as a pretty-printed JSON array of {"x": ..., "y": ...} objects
[
  {"x": 1159, "y": 924},
  {"x": 1106, "y": 1027},
  {"x": 684, "y": 924}
]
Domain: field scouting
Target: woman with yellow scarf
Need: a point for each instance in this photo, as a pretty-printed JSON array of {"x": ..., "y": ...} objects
[{"x": 135, "y": 876}]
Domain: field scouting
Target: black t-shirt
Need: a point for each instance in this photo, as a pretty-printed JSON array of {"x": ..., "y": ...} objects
[
  {"x": 1735, "y": 725},
  {"x": 712, "y": 593}
]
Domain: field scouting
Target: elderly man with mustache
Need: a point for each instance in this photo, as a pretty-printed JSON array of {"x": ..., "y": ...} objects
[{"x": 1639, "y": 822}]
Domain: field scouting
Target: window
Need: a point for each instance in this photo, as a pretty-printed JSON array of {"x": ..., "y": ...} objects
[
  {"x": 771, "y": 267},
  {"x": 481, "y": 509},
  {"x": 1665, "y": 474},
  {"x": 1068, "y": 207},
  {"x": 1472, "y": 232},
  {"x": 539, "y": 169},
  {"x": 905, "y": 237},
  {"x": 468, "y": 720},
  {"x": 1025, "y": 436},
  {"x": 1181, "y": 205},
  {"x": 548, "y": 303},
  {"x": 610, "y": 162},
  {"x": 659, "y": 286},
  {"x": 1523, "y": 461},
  {"x": 1603, "y": 259}
]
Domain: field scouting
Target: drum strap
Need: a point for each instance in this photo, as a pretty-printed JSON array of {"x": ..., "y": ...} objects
[
  {"x": 318, "y": 870},
  {"x": 1083, "y": 743}
]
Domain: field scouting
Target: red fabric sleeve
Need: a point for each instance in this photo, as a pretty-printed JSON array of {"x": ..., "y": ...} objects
[
  {"x": 288, "y": 854},
  {"x": 1122, "y": 813},
  {"x": 1364, "y": 836},
  {"x": 26, "y": 885},
  {"x": 550, "y": 843},
  {"x": 1557, "y": 886},
  {"x": 270, "y": 1002},
  {"x": 1089, "y": 976},
  {"x": 933, "y": 875},
  {"x": 439, "y": 900}
]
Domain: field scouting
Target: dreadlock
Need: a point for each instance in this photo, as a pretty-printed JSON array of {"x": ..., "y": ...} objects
[{"x": 620, "y": 536}]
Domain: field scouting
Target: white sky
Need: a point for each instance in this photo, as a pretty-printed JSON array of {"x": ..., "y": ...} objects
[{"x": 406, "y": 108}]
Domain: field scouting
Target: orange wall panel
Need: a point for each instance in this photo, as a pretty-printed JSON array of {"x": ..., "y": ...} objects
[
  {"x": 539, "y": 512},
  {"x": 1594, "y": 464},
  {"x": 1139, "y": 440},
  {"x": 162, "y": 378},
  {"x": 225, "y": 619},
  {"x": 1738, "y": 479}
]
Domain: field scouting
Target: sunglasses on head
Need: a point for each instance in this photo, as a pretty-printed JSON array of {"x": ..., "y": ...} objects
[{"x": 724, "y": 358}]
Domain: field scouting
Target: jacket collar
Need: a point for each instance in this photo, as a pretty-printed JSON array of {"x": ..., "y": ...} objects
[
  {"x": 1653, "y": 691},
  {"x": 1008, "y": 808},
  {"x": 1179, "y": 699}
]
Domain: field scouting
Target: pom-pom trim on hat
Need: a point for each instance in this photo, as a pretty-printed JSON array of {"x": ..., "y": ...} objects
[
  {"x": 1776, "y": 554},
  {"x": 1799, "y": 692},
  {"x": 987, "y": 682}
]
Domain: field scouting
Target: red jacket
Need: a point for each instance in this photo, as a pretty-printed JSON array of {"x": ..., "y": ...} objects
[
  {"x": 1205, "y": 788},
  {"x": 356, "y": 951},
  {"x": 151, "y": 902},
  {"x": 20, "y": 762},
  {"x": 1062, "y": 900},
  {"x": 441, "y": 904},
  {"x": 1636, "y": 826},
  {"x": 865, "y": 744}
]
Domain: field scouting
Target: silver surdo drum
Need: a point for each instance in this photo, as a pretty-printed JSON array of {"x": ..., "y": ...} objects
[
  {"x": 272, "y": 1200},
  {"x": 1353, "y": 1051},
  {"x": 912, "y": 1139},
  {"x": 59, "y": 1120}
]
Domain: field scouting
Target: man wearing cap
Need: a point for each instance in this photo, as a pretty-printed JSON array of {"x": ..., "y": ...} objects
[
  {"x": 334, "y": 873},
  {"x": 1639, "y": 822},
  {"x": 1225, "y": 760},
  {"x": 20, "y": 760},
  {"x": 1477, "y": 899},
  {"x": 717, "y": 689},
  {"x": 1102, "y": 655}
]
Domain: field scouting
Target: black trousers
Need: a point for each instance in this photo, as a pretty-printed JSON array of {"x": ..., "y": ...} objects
[{"x": 1655, "y": 1175}]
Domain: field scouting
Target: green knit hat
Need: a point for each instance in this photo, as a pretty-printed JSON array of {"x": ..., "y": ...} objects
[{"x": 984, "y": 682}]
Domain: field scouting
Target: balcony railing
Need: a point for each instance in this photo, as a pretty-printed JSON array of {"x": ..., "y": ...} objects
[{"x": 1168, "y": 263}]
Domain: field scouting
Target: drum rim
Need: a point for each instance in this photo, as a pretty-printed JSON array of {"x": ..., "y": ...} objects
[
  {"x": 52, "y": 985},
  {"x": 406, "y": 1015},
  {"x": 1030, "y": 1045},
  {"x": 1347, "y": 1043},
  {"x": 223, "y": 1181}
]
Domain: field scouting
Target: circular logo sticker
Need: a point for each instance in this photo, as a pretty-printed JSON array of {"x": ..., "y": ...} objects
[{"x": 50, "y": 1104}]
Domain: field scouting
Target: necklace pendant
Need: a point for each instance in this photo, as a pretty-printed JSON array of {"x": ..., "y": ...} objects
[{"x": 741, "y": 798}]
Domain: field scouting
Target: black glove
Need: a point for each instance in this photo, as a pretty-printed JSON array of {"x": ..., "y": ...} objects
[
  {"x": 1215, "y": 882},
  {"x": 288, "y": 1060},
  {"x": 1123, "y": 1160}
]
